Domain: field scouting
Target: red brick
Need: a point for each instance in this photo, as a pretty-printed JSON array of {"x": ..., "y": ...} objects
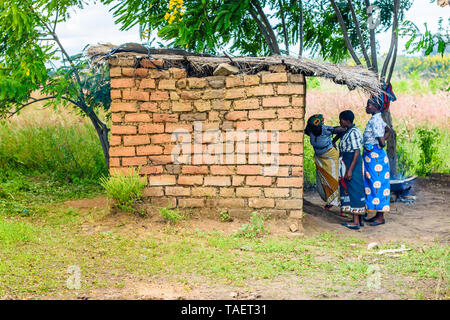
[
  {"x": 245, "y": 125},
  {"x": 298, "y": 101},
  {"x": 146, "y": 63},
  {"x": 191, "y": 95},
  {"x": 281, "y": 125},
  {"x": 266, "y": 90},
  {"x": 171, "y": 127},
  {"x": 151, "y": 170},
  {"x": 153, "y": 192},
  {"x": 231, "y": 203},
  {"x": 289, "y": 204},
  {"x": 115, "y": 129},
  {"x": 149, "y": 106},
  {"x": 178, "y": 191},
  {"x": 290, "y": 113},
  {"x": 275, "y": 102},
  {"x": 137, "y": 117},
  {"x": 246, "y": 104},
  {"x": 162, "y": 180},
  {"x": 114, "y": 162},
  {"x": 213, "y": 94},
  {"x": 296, "y": 78},
  {"x": 161, "y": 159},
  {"x": 135, "y": 140},
  {"x": 122, "y": 83},
  {"x": 134, "y": 161},
  {"x": 165, "y": 117},
  {"x": 290, "y": 160},
  {"x": 258, "y": 181},
  {"x": 297, "y": 171},
  {"x": 166, "y": 84},
  {"x": 147, "y": 84},
  {"x": 238, "y": 180},
  {"x": 273, "y": 77},
  {"x": 150, "y": 149},
  {"x": 248, "y": 192},
  {"x": 217, "y": 181},
  {"x": 261, "y": 203},
  {"x": 190, "y": 180},
  {"x": 178, "y": 73},
  {"x": 141, "y": 72},
  {"x": 204, "y": 191},
  {"x": 235, "y": 93},
  {"x": 249, "y": 170},
  {"x": 251, "y": 80},
  {"x": 191, "y": 203},
  {"x": 151, "y": 128},
  {"x": 197, "y": 83},
  {"x": 123, "y": 106},
  {"x": 128, "y": 72},
  {"x": 116, "y": 94},
  {"x": 291, "y": 137},
  {"x": 291, "y": 89},
  {"x": 276, "y": 192},
  {"x": 236, "y": 115},
  {"x": 115, "y": 140},
  {"x": 266, "y": 114},
  {"x": 115, "y": 72},
  {"x": 161, "y": 138},
  {"x": 194, "y": 169},
  {"x": 159, "y": 95},
  {"x": 132, "y": 94},
  {"x": 289, "y": 182},
  {"x": 181, "y": 106},
  {"x": 116, "y": 117},
  {"x": 234, "y": 81},
  {"x": 121, "y": 151},
  {"x": 297, "y": 148},
  {"x": 222, "y": 170},
  {"x": 202, "y": 105}
]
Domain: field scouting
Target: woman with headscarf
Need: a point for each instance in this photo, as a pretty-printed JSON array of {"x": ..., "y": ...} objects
[
  {"x": 351, "y": 172},
  {"x": 326, "y": 159},
  {"x": 376, "y": 163}
]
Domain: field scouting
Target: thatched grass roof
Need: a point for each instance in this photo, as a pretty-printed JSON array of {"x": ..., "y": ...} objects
[{"x": 204, "y": 65}]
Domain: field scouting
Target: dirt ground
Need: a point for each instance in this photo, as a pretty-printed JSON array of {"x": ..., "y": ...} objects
[{"x": 425, "y": 221}]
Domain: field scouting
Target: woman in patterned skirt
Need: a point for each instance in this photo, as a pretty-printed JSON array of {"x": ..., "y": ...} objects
[
  {"x": 351, "y": 171},
  {"x": 376, "y": 164}
]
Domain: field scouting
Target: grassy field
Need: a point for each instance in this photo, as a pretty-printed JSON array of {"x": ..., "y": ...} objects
[
  {"x": 39, "y": 243},
  {"x": 47, "y": 158}
]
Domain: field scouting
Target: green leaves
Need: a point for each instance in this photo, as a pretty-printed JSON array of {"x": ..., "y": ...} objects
[{"x": 427, "y": 42}]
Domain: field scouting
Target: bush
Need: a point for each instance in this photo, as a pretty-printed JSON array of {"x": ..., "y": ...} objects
[
  {"x": 125, "y": 189},
  {"x": 429, "y": 140},
  {"x": 170, "y": 215},
  {"x": 256, "y": 226}
]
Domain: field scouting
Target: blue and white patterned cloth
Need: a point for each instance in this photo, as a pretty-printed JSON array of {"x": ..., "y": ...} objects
[
  {"x": 376, "y": 179},
  {"x": 374, "y": 129},
  {"x": 351, "y": 140}
]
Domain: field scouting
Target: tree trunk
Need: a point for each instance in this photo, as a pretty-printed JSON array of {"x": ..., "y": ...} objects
[
  {"x": 102, "y": 133},
  {"x": 391, "y": 144}
]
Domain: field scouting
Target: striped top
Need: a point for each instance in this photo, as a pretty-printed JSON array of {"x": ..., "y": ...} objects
[{"x": 351, "y": 140}]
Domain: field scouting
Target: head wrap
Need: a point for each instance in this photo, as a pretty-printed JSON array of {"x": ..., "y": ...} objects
[
  {"x": 316, "y": 120},
  {"x": 383, "y": 100}
]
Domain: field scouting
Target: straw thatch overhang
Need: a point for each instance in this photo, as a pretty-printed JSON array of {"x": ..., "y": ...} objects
[{"x": 202, "y": 65}]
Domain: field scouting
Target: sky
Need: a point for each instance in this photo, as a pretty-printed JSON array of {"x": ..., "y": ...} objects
[{"x": 95, "y": 24}]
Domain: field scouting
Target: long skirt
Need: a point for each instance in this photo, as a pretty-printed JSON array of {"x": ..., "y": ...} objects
[
  {"x": 376, "y": 179},
  {"x": 327, "y": 176},
  {"x": 352, "y": 192}
]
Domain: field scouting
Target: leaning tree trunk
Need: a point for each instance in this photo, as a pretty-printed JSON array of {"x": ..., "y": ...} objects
[
  {"x": 391, "y": 144},
  {"x": 102, "y": 133}
]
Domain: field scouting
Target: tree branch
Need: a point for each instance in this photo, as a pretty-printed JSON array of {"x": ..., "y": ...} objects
[
  {"x": 42, "y": 99},
  {"x": 358, "y": 32},
  {"x": 373, "y": 43},
  {"x": 283, "y": 21},
  {"x": 394, "y": 58},
  {"x": 268, "y": 26},
  {"x": 300, "y": 51},
  {"x": 393, "y": 40},
  {"x": 263, "y": 29},
  {"x": 344, "y": 32}
]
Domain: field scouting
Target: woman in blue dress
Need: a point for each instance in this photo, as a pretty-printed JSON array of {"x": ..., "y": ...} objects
[
  {"x": 351, "y": 172},
  {"x": 376, "y": 164}
]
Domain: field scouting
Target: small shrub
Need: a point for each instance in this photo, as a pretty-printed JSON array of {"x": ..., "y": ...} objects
[
  {"x": 429, "y": 140},
  {"x": 256, "y": 226},
  {"x": 124, "y": 189},
  {"x": 171, "y": 216}
]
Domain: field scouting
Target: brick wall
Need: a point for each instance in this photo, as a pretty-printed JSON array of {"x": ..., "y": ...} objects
[{"x": 149, "y": 105}]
